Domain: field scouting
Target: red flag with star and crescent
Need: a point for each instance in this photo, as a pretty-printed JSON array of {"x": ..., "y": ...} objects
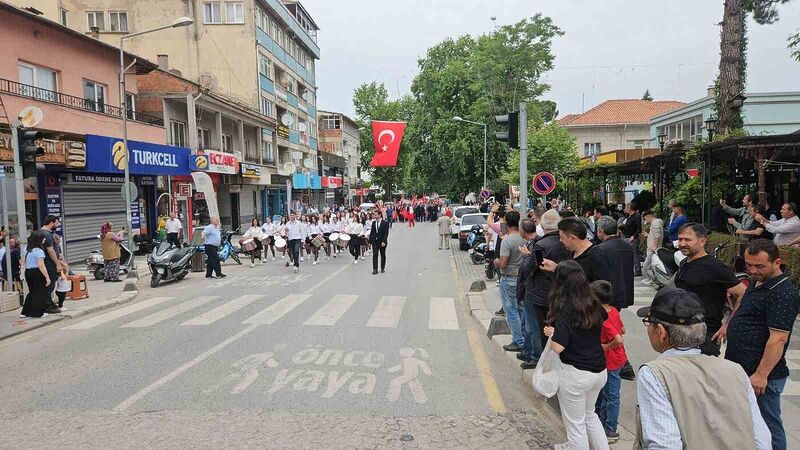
[{"x": 387, "y": 137}]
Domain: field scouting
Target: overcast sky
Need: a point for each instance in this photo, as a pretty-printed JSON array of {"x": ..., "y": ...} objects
[{"x": 611, "y": 49}]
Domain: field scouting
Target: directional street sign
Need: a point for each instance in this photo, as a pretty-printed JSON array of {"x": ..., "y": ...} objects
[{"x": 544, "y": 183}]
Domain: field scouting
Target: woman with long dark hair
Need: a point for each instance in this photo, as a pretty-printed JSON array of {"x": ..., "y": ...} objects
[
  {"x": 575, "y": 320},
  {"x": 36, "y": 276}
]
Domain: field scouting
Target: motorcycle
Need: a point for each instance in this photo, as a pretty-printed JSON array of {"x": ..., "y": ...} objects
[
  {"x": 95, "y": 264},
  {"x": 169, "y": 263}
]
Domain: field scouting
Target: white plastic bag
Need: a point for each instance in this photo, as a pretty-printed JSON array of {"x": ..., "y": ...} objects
[{"x": 547, "y": 373}]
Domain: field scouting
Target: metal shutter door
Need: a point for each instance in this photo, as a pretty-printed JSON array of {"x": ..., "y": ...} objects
[{"x": 86, "y": 208}]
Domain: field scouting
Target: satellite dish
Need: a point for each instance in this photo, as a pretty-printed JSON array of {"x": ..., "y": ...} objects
[
  {"x": 305, "y": 95},
  {"x": 30, "y": 116},
  {"x": 302, "y": 127},
  {"x": 308, "y": 162},
  {"x": 289, "y": 167},
  {"x": 287, "y": 119}
]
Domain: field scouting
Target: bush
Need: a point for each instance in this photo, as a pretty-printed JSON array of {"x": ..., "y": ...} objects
[{"x": 735, "y": 245}]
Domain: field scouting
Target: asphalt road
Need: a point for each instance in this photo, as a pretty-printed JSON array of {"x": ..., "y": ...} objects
[{"x": 330, "y": 357}]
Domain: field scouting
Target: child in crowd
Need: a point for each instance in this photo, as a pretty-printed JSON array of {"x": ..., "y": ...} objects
[
  {"x": 607, "y": 406},
  {"x": 63, "y": 285}
]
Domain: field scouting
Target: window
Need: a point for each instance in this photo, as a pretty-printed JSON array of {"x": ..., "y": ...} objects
[
  {"x": 95, "y": 19},
  {"x": 62, "y": 15},
  {"x": 266, "y": 107},
  {"x": 264, "y": 66},
  {"x": 227, "y": 143},
  {"x": 203, "y": 137},
  {"x": 94, "y": 96},
  {"x": 312, "y": 129},
  {"x": 234, "y": 12},
  {"x": 39, "y": 82},
  {"x": 177, "y": 133},
  {"x": 212, "y": 13},
  {"x": 266, "y": 147},
  {"x": 331, "y": 123},
  {"x": 130, "y": 105},
  {"x": 250, "y": 156},
  {"x": 590, "y": 149},
  {"x": 118, "y": 21}
]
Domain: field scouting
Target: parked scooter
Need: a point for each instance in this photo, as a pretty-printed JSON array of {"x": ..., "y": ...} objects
[
  {"x": 95, "y": 264},
  {"x": 168, "y": 263},
  {"x": 226, "y": 248}
]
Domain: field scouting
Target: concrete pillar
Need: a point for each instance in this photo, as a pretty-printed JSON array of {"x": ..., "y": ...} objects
[
  {"x": 218, "y": 120},
  {"x": 240, "y": 138},
  {"x": 191, "y": 113},
  {"x": 259, "y": 145},
  {"x": 167, "y": 108}
]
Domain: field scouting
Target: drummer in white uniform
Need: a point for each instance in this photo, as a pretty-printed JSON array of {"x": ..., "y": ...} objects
[
  {"x": 326, "y": 228},
  {"x": 280, "y": 233},
  {"x": 314, "y": 231},
  {"x": 367, "y": 221},
  {"x": 355, "y": 230},
  {"x": 268, "y": 230},
  {"x": 251, "y": 241}
]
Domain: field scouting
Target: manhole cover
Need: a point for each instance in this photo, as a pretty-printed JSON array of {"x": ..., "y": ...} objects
[{"x": 406, "y": 437}]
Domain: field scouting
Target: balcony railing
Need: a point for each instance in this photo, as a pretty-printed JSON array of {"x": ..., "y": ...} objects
[{"x": 44, "y": 95}]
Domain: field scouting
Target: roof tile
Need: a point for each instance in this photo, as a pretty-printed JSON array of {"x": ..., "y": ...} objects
[{"x": 620, "y": 112}]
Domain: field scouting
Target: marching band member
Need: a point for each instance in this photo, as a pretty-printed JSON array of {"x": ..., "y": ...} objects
[
  {"x": 268, "y": 230},
  {"x": 254, "y": 233},
  {"x": 355, "y": 230},
  {"x": 280, "y": 230},
  {"x": 326, "y": 228},
  {"x": 314, "y": 230}
]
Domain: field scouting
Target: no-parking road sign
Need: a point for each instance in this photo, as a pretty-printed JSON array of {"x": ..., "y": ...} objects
[{"x": 544, "y": 183}]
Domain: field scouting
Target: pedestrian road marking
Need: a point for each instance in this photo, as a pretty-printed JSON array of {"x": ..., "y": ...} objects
[
  {"x": 387, "y": 313},
  {"x": 277, "y": 310},
  {"x": 442, "y": 314},
  {"x": 170, "y": 312},
  {"x": 331, "y": 312},
  {"x": 116, "y": 314},
  {"x": 224, "y": 310}
]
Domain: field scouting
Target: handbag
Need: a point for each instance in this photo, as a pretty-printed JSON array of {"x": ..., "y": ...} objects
[{"x": 547, "y": 374}]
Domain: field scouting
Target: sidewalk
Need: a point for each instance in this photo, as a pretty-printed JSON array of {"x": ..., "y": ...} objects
[
  {"x": 637, "y": 346},
  {"x": 102, "y": 295}
]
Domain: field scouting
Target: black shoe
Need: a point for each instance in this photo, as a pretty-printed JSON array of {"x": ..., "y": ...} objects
[
  {"x": 512, "y": 347},
  {"x": 222, "y": 275},
  {"x": 374, "y": 272},
  {"x": 528, "y": 365},
  {"x": 114, "y": 281},
  {"x": 500, "y": 312},
  {"x": 523, "y": 357},
  {"x": 52, "y": 311},
  {"x": 210, "y": 276},
  {"x": 383, "y": 270}
]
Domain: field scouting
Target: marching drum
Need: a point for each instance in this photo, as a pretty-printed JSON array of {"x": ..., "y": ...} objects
[
  {"x": 280, "y": 243},
  {"x": 266, "y": 241},
  {"x": 248, "y": 245},
  {"x": 318, "y": 241},
  {"x": 344, "y": 240},
  {"x": 333, "y": 237}
]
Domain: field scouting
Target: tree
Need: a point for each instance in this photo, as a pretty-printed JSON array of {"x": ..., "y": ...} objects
[
  {"x": 732, "y": 64},
  {"x": 647, "y": 96},
  {"x": 551, "y": 148},
  {"x": 794, "y": 45}
]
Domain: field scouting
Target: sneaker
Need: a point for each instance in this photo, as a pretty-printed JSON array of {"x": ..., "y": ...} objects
[
  {"x": 647, "y": 282},
  {"x": 273, "y": 258},
  {"x": 264, "y": 261},
  {"x": 355, "y": 262},
  {"x": 283, "y": 256},
  {"x": 362, "y": 258},
  {"x": 302, "y": 259},
  {"x": 500, "y": 312},
  {"x": 43, "y": 316},
  {"x": 314, "y": 263},
  {"x": 252, "y": 265},
  {"x": 296, "y": 269},
  {"x": 23, "y": 316},
  {"x": 612, "y": 436}
]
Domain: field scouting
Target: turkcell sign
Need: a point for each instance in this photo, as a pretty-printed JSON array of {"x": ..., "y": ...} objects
[{"x": 104, "y": 155}]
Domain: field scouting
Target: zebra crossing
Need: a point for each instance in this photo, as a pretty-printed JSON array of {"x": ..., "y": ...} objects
[{"x": 386, "y": 312}]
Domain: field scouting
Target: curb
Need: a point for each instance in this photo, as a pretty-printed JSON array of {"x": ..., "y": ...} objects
[{"x": 130, "y": 292}]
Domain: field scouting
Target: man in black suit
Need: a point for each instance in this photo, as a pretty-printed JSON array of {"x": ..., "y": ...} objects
[{"x": 378, "y": 236}]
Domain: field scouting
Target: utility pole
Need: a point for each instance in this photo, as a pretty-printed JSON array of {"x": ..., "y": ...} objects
[
  {"x": 22, "y": 222},
  {"x": 523, "y": 158}
]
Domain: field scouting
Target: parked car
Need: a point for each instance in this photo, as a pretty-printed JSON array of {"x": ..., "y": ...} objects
[
  {"x": 457, "y": 214},
  {"x": 366, "y": 206},
  {"x": 467, "y": 221}
]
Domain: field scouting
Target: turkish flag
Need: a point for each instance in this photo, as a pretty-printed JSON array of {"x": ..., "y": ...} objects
[{"x": 387, "y": 137}]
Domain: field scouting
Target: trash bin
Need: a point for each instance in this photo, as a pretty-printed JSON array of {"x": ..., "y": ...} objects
[{"x": 198, "y": 262}]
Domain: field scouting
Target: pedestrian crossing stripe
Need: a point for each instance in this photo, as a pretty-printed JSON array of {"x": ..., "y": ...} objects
[{"x": 386, "y": 313}]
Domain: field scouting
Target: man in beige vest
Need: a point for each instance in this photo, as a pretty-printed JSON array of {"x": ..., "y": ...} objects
[
  {"x": 444, "y": 223},
  {"x": 686, "y": 399}
]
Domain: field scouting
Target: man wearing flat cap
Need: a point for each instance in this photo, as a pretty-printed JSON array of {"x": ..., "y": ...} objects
[{"x": 686, "y": 399}]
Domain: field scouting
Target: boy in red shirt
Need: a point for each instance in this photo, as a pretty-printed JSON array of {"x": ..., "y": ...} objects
[{"x": 607, "y": 406}]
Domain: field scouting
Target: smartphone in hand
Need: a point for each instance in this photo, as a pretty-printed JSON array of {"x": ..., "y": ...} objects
[
  {"x": 539, "y": 256},
  {"x": 503, "y": 228}
]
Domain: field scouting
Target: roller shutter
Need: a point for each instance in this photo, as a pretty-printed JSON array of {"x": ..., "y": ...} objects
[{"x": 86, "y": 207}]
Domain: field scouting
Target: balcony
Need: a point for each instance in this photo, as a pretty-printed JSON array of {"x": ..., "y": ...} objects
[{"x": 70, "y": 101}]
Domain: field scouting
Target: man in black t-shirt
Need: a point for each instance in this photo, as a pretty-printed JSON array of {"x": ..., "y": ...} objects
[{"x": 710, "y": 279}]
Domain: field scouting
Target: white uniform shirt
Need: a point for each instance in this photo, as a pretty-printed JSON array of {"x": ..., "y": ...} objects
[
  {"x": 294, "y": 230},
  {"x": 269, "y": 229},
  {"x": 355, "y": 228},
  {"x": 314, "y": 229},
  {"x": 173, "y": 226},
  {"x": 254, "y": 232},
  {"x": 368, "y": 227},
  {"x": 785, "y": 230},
  {"x": 326, "y": 227}
]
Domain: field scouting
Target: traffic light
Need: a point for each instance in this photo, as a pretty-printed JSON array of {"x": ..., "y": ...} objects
[
  {"x": 28, "y": 151},
  {"x": 511, "y": 135}
]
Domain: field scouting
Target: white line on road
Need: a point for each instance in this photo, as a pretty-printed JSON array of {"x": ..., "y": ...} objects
[
  {"x": 223, "y": 310},
  {"x": 117, "y": 313},
  {"x": 387, "y": 313},
  {"x": 170, "y": 312},
  {"x": 442, "y": 314},
  {"x": 277, "y": 310},
  {"x": 130, "y": 401},
  {"x": 331, "y": 312}
]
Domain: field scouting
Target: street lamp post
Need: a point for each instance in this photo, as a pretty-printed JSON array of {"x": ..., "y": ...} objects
[
  {"x": 461, "y": 119},
  {"x": 711, "y": 125},
  {"x": 180, "y": 22},
  {"x": 662, "y": 140}
]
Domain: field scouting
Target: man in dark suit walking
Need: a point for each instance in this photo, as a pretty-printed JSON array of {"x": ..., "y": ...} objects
[{"x": 378, "y": 236}]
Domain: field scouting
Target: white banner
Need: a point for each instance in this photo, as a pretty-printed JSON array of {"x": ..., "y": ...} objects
[{"x": 204, "y": 184}]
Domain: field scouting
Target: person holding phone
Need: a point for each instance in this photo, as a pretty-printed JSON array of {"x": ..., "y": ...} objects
[{"x": 538, "y": 282}]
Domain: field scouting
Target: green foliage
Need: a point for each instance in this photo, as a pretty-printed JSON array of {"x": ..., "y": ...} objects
[
  {"x": 794, "y": 45},
  {"x": 551, "y": 148},
  {"x": 764, "y": 11},
  {"x": 734, "y": 244},
  {"x": 644, "y": 200},
  {"x": 647, "y": 96},
  {"x": 791, "y": 261}
]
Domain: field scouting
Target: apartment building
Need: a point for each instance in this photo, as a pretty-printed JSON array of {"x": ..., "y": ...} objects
[
  {"x": 339, "y": 137},
  {"x": 260, "y": 53}
]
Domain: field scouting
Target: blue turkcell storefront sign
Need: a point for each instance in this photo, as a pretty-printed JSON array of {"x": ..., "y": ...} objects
[
  {"x": 306, "y": 181},
  {"x": 106, "y": 155}
]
